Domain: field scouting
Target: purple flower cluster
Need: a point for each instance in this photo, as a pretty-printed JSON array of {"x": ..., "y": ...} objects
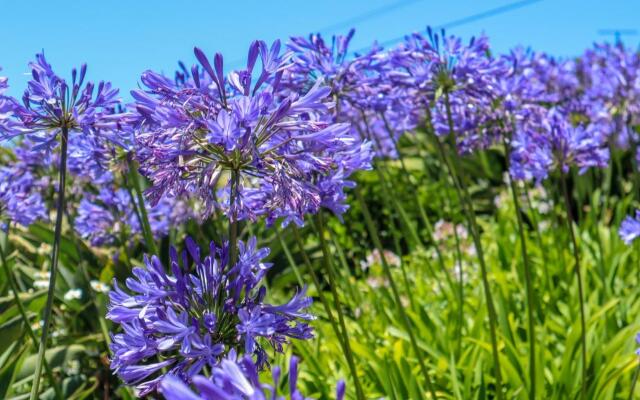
[
  {"x": 50, "y": 104},
  {"x": 466, "y": 82},
  {"x": 630, "y": 228},
  {"x": 21, "y": 199},
  {"x": 102, "y": 210},
  {"x": 112, "y": 216},
  {"x": 364, "y": 95},
  {"x": 550, "y": 141},
  {"x": 193, "y": 317},
  {"x": 244, "y": 147},
  {"x": 236, "y": 378},
  {"x": 278, "y": 140}
]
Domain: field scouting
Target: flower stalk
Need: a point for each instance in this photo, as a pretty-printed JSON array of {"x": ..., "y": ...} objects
[
  {"x": 577, "y": 269},
  {"x": 329, "y": 267},
  {"x": 463, "y": 196},
  {"x": 527, "y": 276},
  {"x": 55, "y": 253},
  {"x": 147, "y": 233},
  {"x": 387, "y": 271}
]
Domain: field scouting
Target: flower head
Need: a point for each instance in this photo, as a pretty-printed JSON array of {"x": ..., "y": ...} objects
[
  {"x": 50, "y": 104},
  {"x": 240, "y": 146},
  {"x": 201, "y": 311},
  {"x": 236, "y": 379},
  {"x": 630, "y": 228},
  {"x": 21, "y": 188},
  {"x": 551, "y": 141},
  {"x": 112, "y": 216}
]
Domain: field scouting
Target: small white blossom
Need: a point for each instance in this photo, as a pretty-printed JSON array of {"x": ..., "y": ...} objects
[
  {"x": 44, "y": 249},
  {"x": 41, "y": 280},
  {"x": 73, "y": 294},
  {"x": 99, "y": 286},
  {"x": 374, "y": 258},
  {"x": 58, "y": 333}
]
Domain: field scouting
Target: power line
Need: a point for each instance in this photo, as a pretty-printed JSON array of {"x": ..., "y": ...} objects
[
  {"x": 349, "y": 23},
  {"x": 382, "y": 10},
  {"x": 468, "y": 19}
]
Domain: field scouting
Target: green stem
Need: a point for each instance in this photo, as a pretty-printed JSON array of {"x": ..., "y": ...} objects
[
  {"x": 323, "y": 299},
  {"x": 414, "y": 189},
  {"x": 405, "y": 318},
  {"x": 134, "y": 201},
  {"x": 634, "y": 381},
  {"x": 25, "y": 320},
  {"x": 458, "y": 260},
  {"x": 287, "y": 254},
  {"x": 233, "y": 220},
  {"x": 634, "y": 165},
  {"x": 345, "y": 266},
  {"x": 534, "y": 221},
  {"x": 527, "y": 277},
  {"x": 460, "y": 286},
  {"x": 390, "y": 199},
  {"x": 381, "y": 170},
  {"x": 328, "y": 265},
  {"x": 398, "y": 249},
  {"x": 464, "y": 198},
  {"x": 406, "y": 221},
  {"x": 423, "y": 214},
  {"x": 576, "y": 255},
  {"x": 55, "y": 253},
  {"x": 101, "y": 318},
  {"x": 146, "y": 227}
]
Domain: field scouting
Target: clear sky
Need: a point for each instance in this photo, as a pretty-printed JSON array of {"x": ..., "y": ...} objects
[{"x": 121, "y": 39}]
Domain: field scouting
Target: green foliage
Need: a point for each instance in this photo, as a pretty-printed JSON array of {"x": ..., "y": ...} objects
[{"x": 454, "y": 342}]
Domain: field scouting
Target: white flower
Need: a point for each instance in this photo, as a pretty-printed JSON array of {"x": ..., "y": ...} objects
[
  {"x": 376, "y": 282},
  {"x": 44, "y": 249},
  {"x": 99, "y": 286},
  {"x": 37, "y": 325},
  {"x": 544, "y": 207},
  {"x": 41, "y": 284},
  {"x": 501, "y": 199},
  {"x": 41, "y": 280},
  {"x": 58, "y": 333},
  {"x": 374, "y": 258},
  {"x": 73, "y": 294},
  {"x": 441, "y": 230},
  {"x": 42, "y": 275},
  {"x": 462, "y": 232},
  {"x": 544, "y": 225}
]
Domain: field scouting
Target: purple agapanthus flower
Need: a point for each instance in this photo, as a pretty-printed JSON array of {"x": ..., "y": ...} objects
[
  {"x": 610, "y": 79},
  {"x": 551, "y": 142},
  {"x": 90, "y": 158},
  {"x": 49, "y": 103},
  {"x": 466, "y": 87},
  {"x": 198, "y": 134},
  {"x": 113, "y": 216},
  {"x": 194, "y": 316},
  {"x": 357, "y": 83},
  {"x": 20, "y": 197},
  {"x": 237, "y": 378},
  {"x": 630, "y": 228},
  {"x": 22, "y": 188}
]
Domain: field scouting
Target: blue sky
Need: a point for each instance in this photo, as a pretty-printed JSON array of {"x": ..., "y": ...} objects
[{"x": 119, "y": 39}]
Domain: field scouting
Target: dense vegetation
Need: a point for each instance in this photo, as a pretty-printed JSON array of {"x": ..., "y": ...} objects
[{"x": 427, "y": 221}]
